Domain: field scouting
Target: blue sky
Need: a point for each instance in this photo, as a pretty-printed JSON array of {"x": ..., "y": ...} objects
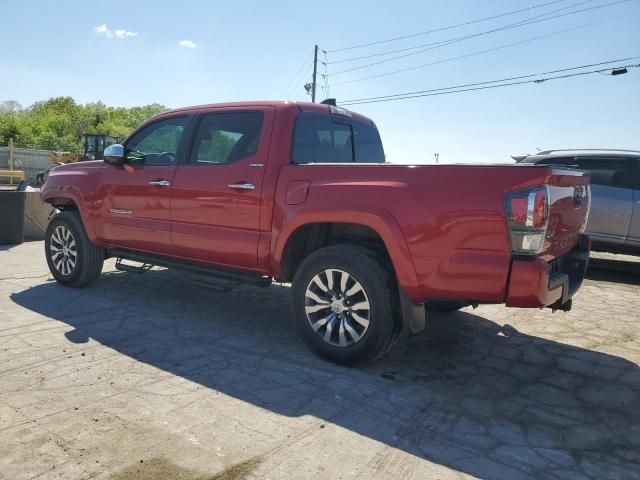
[{"x": 129, "y": 53}]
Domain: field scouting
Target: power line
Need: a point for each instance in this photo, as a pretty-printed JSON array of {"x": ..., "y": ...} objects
[
  {"x": 497, "y": 81},
  {"x": 471, "y": 22},
  {"x": 505, "y": 27},
  {"x": 297, "y": 75},
  {"x": 541, "y": 80},
  {"x": 399, "y": 50},
  {"x": 484, "y": 87},
  {"x": 301, "y": 93},
  {"x": 298, "y": 78},
  {"x": 492, "y": 49},
  {"x": 325, "y": 77},
  {"x": 444, "y": 43}
]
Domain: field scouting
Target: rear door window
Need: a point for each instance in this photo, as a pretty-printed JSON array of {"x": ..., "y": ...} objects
[
  {"x": 226, "y": 137},
  {"x": 321, "y": 138}
]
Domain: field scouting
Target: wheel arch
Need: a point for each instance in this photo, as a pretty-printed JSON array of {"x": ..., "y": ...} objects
[
  {"x": 379, "y": 231},
  {"x": 71, "y": 199}
]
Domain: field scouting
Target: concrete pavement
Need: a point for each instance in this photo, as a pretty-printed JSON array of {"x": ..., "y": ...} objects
[{"x": 155, "y": 377}]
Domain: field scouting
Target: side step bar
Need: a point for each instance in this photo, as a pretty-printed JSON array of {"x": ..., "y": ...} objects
[
  {"x": 149, "y": 261},
  {"x": 139, "y": 269}
]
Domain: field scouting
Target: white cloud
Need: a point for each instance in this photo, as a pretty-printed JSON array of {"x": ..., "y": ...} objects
[
  {"x": 187, "y": 44},
  {"x": 103, "y": 30},
  {"x": 125, "y": 34}
]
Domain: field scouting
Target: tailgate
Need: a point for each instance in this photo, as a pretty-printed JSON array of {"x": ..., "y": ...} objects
[{"x": 570, "y": 200}]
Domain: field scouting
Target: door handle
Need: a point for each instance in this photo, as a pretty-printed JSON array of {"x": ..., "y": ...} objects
[
  {"x": 242, "y": 186},
  {"x": 160, "y": 183}
]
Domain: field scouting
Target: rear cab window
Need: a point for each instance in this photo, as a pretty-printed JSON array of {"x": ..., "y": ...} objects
[{"x": 322, "y": 138}]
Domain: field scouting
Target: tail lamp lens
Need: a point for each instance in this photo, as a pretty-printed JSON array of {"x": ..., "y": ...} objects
[{"x": 527, "y": 213}]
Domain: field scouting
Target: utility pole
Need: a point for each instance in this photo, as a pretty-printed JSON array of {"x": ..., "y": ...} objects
[
  {"x": 315, "y": 71},
  {"x": 437, "y": 155}
]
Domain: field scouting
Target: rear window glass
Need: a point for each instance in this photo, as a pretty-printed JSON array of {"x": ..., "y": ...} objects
[
  {"x": 320, "y": 138},
  {"x": 609, "y": 172}
]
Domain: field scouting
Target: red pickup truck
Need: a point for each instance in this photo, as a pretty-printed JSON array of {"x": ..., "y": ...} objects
[{"x": 301, "y": 193}]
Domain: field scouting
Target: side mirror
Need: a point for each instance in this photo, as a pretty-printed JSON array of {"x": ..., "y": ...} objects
[{"x": 114, "y": 154}]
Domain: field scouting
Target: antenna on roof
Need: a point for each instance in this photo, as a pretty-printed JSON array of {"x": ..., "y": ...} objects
[{"x": 329, "y": 101}]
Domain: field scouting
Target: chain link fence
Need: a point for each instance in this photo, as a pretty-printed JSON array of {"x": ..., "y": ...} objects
[{"x": 29, "y": 161}]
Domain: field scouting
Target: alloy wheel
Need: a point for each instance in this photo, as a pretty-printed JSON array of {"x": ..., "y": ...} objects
[
  {"x": 63, "y": 248},
  {"x": 337, "y": 307}
]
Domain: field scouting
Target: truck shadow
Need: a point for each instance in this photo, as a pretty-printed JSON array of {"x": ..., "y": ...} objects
[{"x": 468, "y": 394}]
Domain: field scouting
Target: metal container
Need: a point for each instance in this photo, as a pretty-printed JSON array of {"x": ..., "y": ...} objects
[{"x": 11, "y": 217}]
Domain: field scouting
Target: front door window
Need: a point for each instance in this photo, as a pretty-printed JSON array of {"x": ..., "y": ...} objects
[{"x": 157, "y": 144}]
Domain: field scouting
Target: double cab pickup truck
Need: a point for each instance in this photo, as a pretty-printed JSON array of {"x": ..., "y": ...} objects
[{"x": 300, "y": 193}]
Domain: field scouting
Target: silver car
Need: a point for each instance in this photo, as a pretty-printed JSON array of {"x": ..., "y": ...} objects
[{"x": 614, "y": 221}]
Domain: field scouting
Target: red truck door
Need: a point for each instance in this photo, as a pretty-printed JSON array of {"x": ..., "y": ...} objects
[
  {"x": 215, "y": 207},
  {"x": 135, "y": 197}
]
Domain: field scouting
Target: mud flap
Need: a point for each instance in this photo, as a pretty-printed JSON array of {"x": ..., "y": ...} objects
[{"x": 413, "y": 314}]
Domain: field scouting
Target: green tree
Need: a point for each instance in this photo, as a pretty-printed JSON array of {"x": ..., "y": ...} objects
[
  {"x": 58, "y": 123},
  {"x": 9, "y": 106}
]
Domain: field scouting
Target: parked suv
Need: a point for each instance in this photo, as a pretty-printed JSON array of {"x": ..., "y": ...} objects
[
  {"x": 301, "y": 193},
  {"x": 614, "y": 221}
]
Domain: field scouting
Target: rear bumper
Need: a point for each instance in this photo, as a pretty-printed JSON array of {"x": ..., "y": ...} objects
[{"x": 536, "y": 283}]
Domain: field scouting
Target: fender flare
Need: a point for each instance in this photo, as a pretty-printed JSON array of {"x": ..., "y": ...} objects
[
  {"x": 377, "y": 219},
  {"x": 74, "y": 194}
]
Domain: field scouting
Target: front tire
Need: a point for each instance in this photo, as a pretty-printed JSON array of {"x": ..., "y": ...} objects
[
  {"x": 73, "y": 260},
  {"x": 344, "y": 305}
]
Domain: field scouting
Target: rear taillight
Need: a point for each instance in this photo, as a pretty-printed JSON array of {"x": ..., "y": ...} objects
[{"x": 527, "y": 213}]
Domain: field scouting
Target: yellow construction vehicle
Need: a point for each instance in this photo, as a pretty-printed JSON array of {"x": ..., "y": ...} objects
[
  {"x": 93, "y": 146},
  {"x": 60, "y": 158}
]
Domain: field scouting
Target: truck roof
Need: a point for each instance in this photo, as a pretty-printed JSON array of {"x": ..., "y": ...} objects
[{"x": 277, "y": 104}]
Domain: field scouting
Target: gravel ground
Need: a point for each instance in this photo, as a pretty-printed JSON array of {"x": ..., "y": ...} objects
[{"x": 155, "y": 377}]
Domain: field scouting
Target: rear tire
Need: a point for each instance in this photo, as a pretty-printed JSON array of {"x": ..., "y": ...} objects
[
  {"x": 73, "y": 260},
  {"x": 343, "y": 305}
]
